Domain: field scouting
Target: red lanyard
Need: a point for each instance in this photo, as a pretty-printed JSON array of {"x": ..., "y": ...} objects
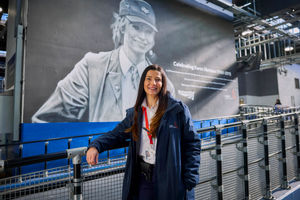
[{"x": 147, "y": 125}]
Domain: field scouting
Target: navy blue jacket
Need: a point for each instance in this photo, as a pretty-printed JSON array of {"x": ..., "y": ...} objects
[{"x": 177, "y": 153}]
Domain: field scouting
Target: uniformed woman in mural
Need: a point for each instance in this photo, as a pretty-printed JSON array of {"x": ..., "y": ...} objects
[
  {"x": 164, "y": 151},
  {"x": 105, "y": 84}
]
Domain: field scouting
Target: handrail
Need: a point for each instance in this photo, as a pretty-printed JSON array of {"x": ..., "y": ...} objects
[
  {"x": 219, "y": 118},
  {"x": 51, "y": 139},
  {"x": 11, "y": 163},
  {"x": 69, "y": 153},
  {"x": 234, "y": 124}
]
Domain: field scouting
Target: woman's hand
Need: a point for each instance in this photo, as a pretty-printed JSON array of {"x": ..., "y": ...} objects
[{"x": 92, "y": 156}]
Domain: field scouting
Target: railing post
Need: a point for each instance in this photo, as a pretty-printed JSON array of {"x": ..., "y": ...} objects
[
  {"x": 242, "y": 115},
  {"x": 77, "y": 181},
  {"x": 210, "y": 134},
  {"x": 245, "y": 157},
  {"x": 268, "y": 194},
  {"x": 219, "y": 162},
  {"x": 75, "y": 155},
  {"x": 296, "y": 122},
  {"x": 20, "y": 156},
  {"x": 46, "y": 151},
  {"x": 284, "y": 183},
  {"x": 108, "y": 157},
  {"x": 69, "y": 147},
  {"x": 90, "y": 138}
]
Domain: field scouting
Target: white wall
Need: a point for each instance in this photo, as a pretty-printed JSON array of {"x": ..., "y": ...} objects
[{"x": 286, "y": 85}]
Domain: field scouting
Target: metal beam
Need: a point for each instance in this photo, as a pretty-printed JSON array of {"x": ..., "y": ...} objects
[
  {"x": 280, "y": 61},
  {"x": 18, "y": 84}
]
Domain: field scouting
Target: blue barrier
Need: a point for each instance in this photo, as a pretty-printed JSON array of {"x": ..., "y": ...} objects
[{"x": 205, "y": 123}]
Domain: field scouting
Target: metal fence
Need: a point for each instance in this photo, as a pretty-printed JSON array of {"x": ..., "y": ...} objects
[
  {"x": 264, "y": 156},
  {"x": 259, "y": 111}
]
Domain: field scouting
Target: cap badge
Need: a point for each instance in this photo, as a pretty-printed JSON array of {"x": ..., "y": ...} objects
[
  {"x": 126, "y": 4},
  {"x": 145, "y": 10}
]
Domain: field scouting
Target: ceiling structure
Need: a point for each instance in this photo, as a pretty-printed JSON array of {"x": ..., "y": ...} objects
[
  {"x": 274, "y": 32},
  {"x": 266, "y": 27}
]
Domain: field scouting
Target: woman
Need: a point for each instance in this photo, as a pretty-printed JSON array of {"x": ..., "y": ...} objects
[
  {"x": 278, "y": 107},
  {"x": 164, "y": 152}
]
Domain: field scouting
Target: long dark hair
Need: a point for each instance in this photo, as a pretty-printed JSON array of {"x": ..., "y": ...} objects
[
  {"x": 162, "y": 106},
  {"x": 277, "y": 102}
]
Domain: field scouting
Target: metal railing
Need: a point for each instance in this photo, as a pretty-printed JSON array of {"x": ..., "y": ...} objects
[
  {"x": 264, "y": 111},
  {"x": 264, "y": 156},
  {"x": 262, "y": 146}
]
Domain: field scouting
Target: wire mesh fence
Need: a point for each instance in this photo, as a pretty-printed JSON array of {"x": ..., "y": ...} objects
[{"x": 46, "y": 184}]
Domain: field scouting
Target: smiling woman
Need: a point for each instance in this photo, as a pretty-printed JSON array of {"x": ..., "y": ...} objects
[
  {"x": 164, "y": 151},
  {"x": 152, "y": 86},
  {"x": 138, "y": 40}
]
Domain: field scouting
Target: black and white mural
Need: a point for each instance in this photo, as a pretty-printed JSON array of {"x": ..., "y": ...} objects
[{"x": 84, "y": 59}]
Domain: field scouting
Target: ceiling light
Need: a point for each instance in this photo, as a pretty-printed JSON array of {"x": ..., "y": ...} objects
[
  {"x": 2, "y": 54},
  {"x": 295, "y": 30},
  {"x": 1, "y": 9},
  {"x": 288, "y": 48},
  {"x": 246, "y": 32}
]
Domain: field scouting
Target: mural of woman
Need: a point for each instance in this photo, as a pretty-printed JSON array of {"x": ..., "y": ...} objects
[{"x": 104, "y": 84}]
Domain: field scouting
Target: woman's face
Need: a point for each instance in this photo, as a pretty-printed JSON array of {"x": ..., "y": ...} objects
[
  {"x": 138, "y": 37},
  {"x": 153, "y": 83}
]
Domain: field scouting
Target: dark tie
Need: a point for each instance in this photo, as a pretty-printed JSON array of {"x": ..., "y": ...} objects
[{"x": 134, "y": 76}]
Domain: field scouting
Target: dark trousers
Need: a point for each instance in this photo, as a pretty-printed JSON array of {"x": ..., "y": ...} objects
[
  {"x": 144, "y": 186},
  {"x": 145, "y": 189}
]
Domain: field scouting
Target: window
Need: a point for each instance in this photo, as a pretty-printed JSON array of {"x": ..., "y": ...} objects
[{"x": 297, "y": 85}]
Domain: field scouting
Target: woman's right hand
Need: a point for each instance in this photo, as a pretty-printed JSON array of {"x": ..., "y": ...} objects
[{"x": 92, "y": 156}]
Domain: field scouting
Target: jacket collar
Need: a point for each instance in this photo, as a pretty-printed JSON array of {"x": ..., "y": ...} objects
[{"x": 174, "y": 105}]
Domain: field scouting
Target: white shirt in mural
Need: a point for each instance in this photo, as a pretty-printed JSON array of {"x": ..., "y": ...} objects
[{"x": 129, "y": 93}]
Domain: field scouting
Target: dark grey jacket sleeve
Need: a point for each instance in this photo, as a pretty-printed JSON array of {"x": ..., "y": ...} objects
[{"x": 70, "y": 98}]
